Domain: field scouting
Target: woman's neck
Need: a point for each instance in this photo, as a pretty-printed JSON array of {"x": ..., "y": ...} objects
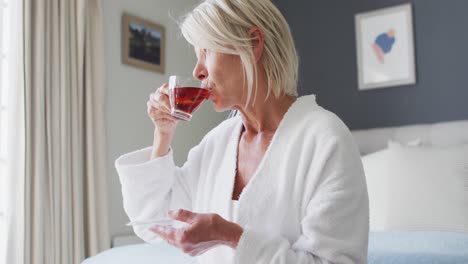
[{"x": 264, "y": 116}]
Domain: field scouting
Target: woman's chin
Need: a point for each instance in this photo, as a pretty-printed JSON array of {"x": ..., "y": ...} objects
[
  {"x": 218, "y": 107},
  {"x": 215, "y": 102}
]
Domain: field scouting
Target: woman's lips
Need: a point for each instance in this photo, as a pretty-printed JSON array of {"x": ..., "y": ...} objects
[
  {"x": 207, "y": 86},
  {"x": 211, "y": 93}
]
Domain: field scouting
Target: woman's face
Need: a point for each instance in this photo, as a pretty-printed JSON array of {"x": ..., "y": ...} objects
[{"x": 223, "y": 74}]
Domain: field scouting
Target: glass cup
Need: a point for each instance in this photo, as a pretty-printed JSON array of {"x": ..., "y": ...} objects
[{"x": 186, "y": 94}]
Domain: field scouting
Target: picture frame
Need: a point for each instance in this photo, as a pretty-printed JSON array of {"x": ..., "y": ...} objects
[
  {"x": 385, "y": 47},
  {"x": 143, "y": 43}
]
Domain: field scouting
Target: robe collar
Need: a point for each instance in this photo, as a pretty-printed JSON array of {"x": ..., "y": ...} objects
[{"x": 260, "y": 188}]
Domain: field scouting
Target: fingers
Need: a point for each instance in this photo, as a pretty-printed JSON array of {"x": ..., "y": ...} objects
[
  {"x": 194, "y": 239},
  {"x": 160, "y": 98},
  {"x": 165, "y": 232},
  {"x": 158, "y": 106},
  {"x": 177, "y": 238},
  {"x": 183, "y": 215},
  {"x": 160, "y": 101},
  {"x": 198, "y": 251},
  {"x": 164, "y": 89},
  {"x": 157, "y": 114}
]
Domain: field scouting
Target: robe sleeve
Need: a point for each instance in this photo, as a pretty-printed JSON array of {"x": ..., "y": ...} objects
[
  {"x": 335, "y": 224},
  {"x": 151, "y": 187}
]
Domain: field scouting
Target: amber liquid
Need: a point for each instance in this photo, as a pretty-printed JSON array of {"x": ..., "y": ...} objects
[{"x": 188, "y": 99}]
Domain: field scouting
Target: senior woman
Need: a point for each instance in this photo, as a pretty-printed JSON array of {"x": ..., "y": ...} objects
[{"x": 280, "y": 183}]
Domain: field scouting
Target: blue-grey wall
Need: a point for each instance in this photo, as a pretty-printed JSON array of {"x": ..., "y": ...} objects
[{"x": 325, "y": 38}]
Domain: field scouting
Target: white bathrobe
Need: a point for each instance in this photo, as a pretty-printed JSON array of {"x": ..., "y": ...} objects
[{"x": 306, "y": 203}]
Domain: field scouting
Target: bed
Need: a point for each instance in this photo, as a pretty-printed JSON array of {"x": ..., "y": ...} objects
[
  {"x": 416, "y": 215},
  {"x": 140, "y": 253},
  {"x": 417, "y": 178}
]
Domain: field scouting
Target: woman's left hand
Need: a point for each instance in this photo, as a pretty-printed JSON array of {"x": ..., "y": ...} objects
[{"x": 204, "y": 231}]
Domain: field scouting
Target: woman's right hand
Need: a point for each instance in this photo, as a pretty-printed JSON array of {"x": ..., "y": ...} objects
[{"x": 159, "y": 111}]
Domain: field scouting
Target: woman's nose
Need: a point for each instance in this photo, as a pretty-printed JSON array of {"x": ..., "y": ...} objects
[{"x": 200, "y": 72}]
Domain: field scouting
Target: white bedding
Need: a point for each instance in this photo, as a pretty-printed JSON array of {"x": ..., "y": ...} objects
[
  {"x": 417, "y": 188},
  {"x": 161, "y": 253}
]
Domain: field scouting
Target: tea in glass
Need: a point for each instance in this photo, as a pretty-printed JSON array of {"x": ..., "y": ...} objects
[{"x": 186, "y": 95}]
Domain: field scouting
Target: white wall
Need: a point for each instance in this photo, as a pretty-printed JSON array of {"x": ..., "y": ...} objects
[{"x": 128, "y": 88}]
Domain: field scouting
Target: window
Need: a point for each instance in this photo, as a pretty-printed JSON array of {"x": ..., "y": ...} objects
[{"x": 4, "y": 86}]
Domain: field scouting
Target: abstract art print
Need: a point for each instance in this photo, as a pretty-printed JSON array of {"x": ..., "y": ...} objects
[
  {"x": 385, "y": 48},
  {"x": 143, "y": 43}
]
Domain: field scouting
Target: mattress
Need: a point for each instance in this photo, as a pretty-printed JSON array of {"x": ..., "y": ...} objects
[
  {"x": 384, "y": 248},
  {"x": 161, "y": 253}
]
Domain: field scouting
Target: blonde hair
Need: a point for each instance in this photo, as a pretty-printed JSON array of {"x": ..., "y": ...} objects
[{"x": 223, "y": 26}]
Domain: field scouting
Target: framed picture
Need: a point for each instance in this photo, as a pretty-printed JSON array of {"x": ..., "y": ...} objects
[
  {"x": 143, "y": 43},
  {"x": 384, "y": 47}
]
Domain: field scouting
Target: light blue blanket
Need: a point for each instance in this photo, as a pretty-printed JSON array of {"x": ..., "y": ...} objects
[
  {"x": 418, "y": 248},
  {"x": 384, "y": 248}
]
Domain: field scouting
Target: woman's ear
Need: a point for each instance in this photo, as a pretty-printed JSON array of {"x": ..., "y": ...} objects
[{"x": 257, "y": 37}]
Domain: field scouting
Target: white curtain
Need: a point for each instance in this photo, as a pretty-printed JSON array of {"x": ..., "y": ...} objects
[
  {"x": 16, "y": 139},
  {"x": 61, "y": 199}
]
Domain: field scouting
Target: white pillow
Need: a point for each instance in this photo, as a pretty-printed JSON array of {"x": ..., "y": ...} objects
[
  {"x": 378, "y": 172},
  {"x": 427, "y": 188}
]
